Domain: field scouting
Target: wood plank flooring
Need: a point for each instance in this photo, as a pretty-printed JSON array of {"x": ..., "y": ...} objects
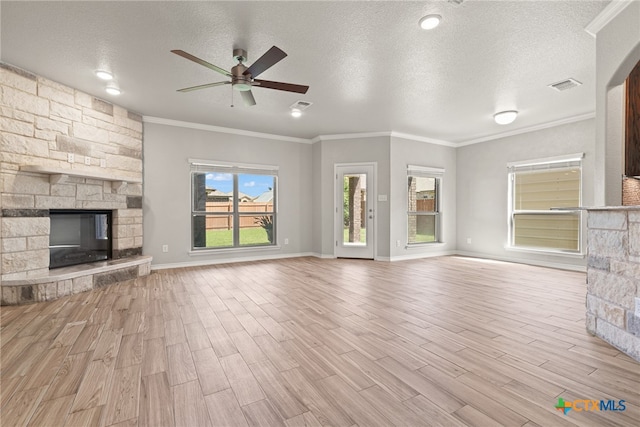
[{"x": 445, "y": 341}]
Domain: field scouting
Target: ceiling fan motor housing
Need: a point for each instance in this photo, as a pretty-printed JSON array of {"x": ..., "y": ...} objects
[{"x": 240, "y": 82}]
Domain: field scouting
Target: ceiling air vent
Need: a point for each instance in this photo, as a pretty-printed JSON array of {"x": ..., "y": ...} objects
[
  {"x": 565, "y": 84},
  {"x": 300, "y": 105}
]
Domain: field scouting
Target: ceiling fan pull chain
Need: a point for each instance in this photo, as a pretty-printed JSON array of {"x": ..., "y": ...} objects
[{"x": 231, "y": 96}]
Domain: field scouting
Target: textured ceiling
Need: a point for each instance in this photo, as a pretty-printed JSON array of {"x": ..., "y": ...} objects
[{"x": 369, "y": 66}]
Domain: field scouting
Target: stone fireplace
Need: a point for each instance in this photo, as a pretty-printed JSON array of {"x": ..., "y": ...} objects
[{"x": 65, "y": 151}]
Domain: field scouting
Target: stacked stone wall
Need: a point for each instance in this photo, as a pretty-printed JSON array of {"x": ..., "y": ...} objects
[{"x": 613, "y": 278}]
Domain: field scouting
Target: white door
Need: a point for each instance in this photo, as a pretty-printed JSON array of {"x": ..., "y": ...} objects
[{"x": 354, "y": 210}]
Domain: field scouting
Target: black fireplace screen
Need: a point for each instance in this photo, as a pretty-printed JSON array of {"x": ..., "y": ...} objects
[{"x": 78, "y": 237}]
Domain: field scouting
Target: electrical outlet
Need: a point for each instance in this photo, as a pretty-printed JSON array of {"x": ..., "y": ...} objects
[
  {"x": 87, "y": 160},
  {"x": 468, "y": 240},
  {"x": 397, "y": 243},
  {"x": 70, "y": 158},
  {"x": 165, "y": 248},
  {"x": 286, "y": 240},
  {"x": 637, "y": 313},
  {"x": 103, "y": 163}
]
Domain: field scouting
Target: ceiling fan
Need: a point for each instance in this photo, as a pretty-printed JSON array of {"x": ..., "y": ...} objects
[{"x": 243, "y": 78}]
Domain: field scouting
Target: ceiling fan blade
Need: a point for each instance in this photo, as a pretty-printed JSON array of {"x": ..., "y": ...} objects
[
  {"x": 248, "y": 98},
  {"x": 189, "y": 89},
  {"x": 266, "y": 61},
  {"x": 200, "y": 61},
  {"x": 288, "y": 87}
]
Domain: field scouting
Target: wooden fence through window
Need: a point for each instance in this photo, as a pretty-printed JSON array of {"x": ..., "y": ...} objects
[{"x": 225, "y": 222}]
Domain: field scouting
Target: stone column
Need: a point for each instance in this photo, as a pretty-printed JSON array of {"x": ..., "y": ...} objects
[{"x": 613, "y": 277}]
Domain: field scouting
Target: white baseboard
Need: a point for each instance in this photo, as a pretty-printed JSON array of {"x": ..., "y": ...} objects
[
  {"x": 421, "y": 255},
  {"x": 323, "y": 256},
  {"x": 539, "y": 263},
  {"x": 228, "y": 260}
]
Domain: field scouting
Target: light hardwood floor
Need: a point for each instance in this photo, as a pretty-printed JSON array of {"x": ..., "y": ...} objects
[{"x": 305, "y": 342}]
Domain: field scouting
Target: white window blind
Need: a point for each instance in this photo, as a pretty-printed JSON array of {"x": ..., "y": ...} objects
[
  {"x": 198, "y": 165},
  {"x": 413, "y": 170},
  {"x": 543, "y": 194}
]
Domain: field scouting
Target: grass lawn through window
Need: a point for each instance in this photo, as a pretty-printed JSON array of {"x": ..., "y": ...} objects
[{"x": 249, "y": 236}]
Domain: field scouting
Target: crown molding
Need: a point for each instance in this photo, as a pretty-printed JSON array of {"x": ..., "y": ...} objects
[
  {"x": 392, "y": 133},
  {"x": 349, "y": 136},
  {"x": 612, "y": 10},
  {"x": 220, "y": 129},
  {"x": 343, "y": 136},
  {"x": 520, "y": 131},
  {"x": 423, "y": 139}
]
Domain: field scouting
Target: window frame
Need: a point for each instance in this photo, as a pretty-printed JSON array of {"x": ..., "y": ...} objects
[
  {"x": 198, "y": 166},
  {"x": 545, "y": 164},
  {"x": 433, "y": 173}
]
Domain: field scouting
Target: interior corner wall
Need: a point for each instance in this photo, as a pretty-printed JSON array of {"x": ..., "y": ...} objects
[
  {"x": 167, "y": 193},
  {"x": 410, "y": 152},
  {"x": 482, "y": 188},
  {"x": 357, "y": 150},
  {"x": 316, "y": 203},
  {"x": 617, "y": 51}
]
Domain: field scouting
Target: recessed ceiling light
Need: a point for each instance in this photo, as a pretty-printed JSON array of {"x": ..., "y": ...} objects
[
  {"x": 429, "y": 22},
  {"x": 505, "y": 117},
  {"x": 112, "y": 90},
  {"x": 104, "y": 75},
  {"x": 296, "y": 113}
]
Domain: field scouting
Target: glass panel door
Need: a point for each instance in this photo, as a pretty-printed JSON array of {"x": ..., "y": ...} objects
[{"x": 354, "y": 211}]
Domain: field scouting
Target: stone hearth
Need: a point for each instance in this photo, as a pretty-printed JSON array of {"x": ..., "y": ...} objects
[{"x": 72, "y": 280}]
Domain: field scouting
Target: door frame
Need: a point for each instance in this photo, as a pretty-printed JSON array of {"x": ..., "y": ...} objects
[{"x": 372, "y": 197}]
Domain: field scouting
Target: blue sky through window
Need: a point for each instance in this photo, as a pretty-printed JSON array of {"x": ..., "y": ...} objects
[{"x": 252, "y": 185}]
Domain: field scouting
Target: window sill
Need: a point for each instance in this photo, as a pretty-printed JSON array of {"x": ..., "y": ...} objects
[
  {"x": 423, "y": 245},
  {"x": 213, "y": 251},
  {"x": 545, "y": 252}
]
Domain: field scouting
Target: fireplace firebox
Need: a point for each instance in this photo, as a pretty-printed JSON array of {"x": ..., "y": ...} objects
[{"x": 79, "y": 237}]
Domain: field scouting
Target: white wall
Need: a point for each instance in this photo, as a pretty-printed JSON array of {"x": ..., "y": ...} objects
[
  {"x": 409, "y": 152},
  {"x": 482, "y": 187},
  {"x": 357, "y": 150},
  {"x": 617, "y": 52},
  {"x": 167, "y": 190},
  {"x": 474, "y": 196}
]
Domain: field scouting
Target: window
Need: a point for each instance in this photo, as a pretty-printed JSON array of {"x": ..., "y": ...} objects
[
  {"x": 544, "y": 197},
  {"x": 423, "y": 212},
  {"x": 233, "y": 206}
]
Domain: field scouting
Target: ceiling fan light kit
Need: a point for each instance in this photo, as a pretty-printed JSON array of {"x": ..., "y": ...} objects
[
  {"x": 243, "y": 78},
  {"x": 505, "y": 117}
]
